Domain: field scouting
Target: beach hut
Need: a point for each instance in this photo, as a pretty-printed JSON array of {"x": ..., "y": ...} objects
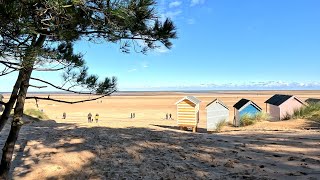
[
  {"x": 244, "y": 106},
  {"x": 217, "y": 111},
  {"x": 282, "y": 106},
  {"x": 312, "y": 101},
  {"x": 188, "y": 112},
  {"x": 1, "y": 107}
]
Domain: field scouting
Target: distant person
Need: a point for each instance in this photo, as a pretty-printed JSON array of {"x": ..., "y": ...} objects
[
  {"x": 167, "y": 116},
  {"x": 64, "y": 115},
  {"x": 89, "y": 118},
  {"x": 96, "y": 118},
  {"x": 132, "y": 115},
  {"x": 170, "y": 116}
]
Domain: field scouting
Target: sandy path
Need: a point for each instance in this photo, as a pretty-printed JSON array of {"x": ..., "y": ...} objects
[{"x": 87, "y": 151}]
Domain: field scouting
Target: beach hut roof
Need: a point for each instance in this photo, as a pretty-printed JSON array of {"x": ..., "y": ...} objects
[
  {"x": 312, "y": 100},
  {"x": 190, "y": 98},
  {"x": 278, "y": 99},
  {"x": 243, "y": 102},
  {"x": 218, "y": 101}
]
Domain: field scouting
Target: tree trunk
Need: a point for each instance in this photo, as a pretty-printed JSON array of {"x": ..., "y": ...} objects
[
  {"x": 9, "y": 105},
  {"x": 8, "y": 149},
  {"x": 17, "y": 122}
]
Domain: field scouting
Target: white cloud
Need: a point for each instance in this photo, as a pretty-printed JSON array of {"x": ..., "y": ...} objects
[
  {"x": 196, "y": 2},
  {"x": 191, "y": 21},
  {"x": 132, "y": 70},
  {"x": 144, "y": 65},
  {"x": 175, "y": 4}
]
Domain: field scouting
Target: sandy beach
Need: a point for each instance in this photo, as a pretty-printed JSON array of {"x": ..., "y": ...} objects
[{"x": 149, "y": 147}]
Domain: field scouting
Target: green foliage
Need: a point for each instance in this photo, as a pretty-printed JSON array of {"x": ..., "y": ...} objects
[
  {"x": 59, "y": 24},
  {"x": 247, "y": 119},
  {"x": 36, "y": 113},
  {"x": 312, "y": 111},
  {"x": 220, "y": 125},
  {"x": 261, "y": 116}
]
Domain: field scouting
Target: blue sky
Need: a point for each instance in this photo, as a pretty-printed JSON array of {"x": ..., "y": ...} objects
[{"x": 229, "y": 44}]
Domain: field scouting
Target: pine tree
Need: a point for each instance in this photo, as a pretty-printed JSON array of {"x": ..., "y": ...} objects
[{"x": 39, "y": 35}]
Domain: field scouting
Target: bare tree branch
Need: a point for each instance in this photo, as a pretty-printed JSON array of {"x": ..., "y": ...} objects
[
  {"x": 39, "y": 87},
  {"x": 68, "y": 102},
  {"x": 48, "y": 69},
  {"x": 64, "y": 89},
  {"x": 6, "y": 73}
]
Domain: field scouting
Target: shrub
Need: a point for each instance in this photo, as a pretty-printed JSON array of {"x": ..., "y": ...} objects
[
  {"x": 36, "y": 113},
  {"x": 220, "y": 125}
]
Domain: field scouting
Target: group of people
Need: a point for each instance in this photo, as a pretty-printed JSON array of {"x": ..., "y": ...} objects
[
  {"x": 90, "y": 119},
  {"x": 96, "y": 117},
  {"x": 133, "y": 115},
  {"x": 169, "y": 116}
]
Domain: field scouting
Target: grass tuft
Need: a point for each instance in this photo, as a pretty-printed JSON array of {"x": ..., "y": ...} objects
[
  {"x": 249, "y": 119},
  {"x": 261, "y": 116},
  {"x": 312, "y": 111},
  {"x": 36, "y": 113},
  {"x": 220, "y": 125}
]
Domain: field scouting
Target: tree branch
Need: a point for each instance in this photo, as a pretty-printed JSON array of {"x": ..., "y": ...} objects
[
  {"x": 5, "y": 73},
  {"x": 11, "y": 63},
  {"x": 68, "y": 102},
  {"x": 39, "y": 87},
  {"x": 57, "y": 87}
]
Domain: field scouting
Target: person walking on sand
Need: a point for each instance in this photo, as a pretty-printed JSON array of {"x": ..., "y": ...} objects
[
  {"x": 167, "y": 116},
  {"x": 89, "y": 118},
  {"x": 64, "y": 115},
  {"x": 96, "y": 118},
  {"x": 170, "y": 116}
]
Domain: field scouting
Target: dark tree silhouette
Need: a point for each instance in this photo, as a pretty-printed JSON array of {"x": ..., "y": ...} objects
[{"x": 39, "y": 35}]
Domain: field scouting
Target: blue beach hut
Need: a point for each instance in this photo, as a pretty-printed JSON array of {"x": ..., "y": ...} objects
[{"x": 244, "y": 106}]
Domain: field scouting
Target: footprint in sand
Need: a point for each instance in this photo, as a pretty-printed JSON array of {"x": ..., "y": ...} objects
[
  {"x": 277, "y": 155},
  {"x": 291, "y": 158}
]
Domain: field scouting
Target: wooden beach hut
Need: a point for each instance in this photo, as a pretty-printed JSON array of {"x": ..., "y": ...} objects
[
  {"x": 217, "y": 111},
  {"x": 282, "y": 106},
  {"x": 188, "y": 112},
  {"x": 242, "y": 107},
  {"x": 1, "y": 106}
]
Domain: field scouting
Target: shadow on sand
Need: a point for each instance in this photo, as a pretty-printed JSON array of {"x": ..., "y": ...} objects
[{"x": 160, "y": 153}]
